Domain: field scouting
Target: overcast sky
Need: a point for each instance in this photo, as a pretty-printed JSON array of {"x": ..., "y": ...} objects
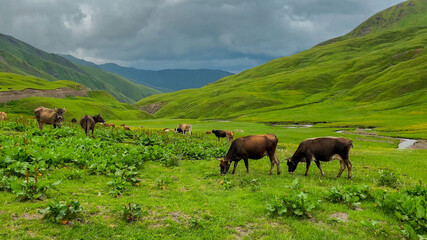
[{"x": 231, "y": 35}]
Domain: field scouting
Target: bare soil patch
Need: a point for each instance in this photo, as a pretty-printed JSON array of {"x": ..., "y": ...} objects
[
  {"x": 340, "y": 215},
  {"x": 152, "y": 108}
]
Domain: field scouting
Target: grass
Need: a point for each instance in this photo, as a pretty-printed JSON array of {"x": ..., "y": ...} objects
[
  {"x": 194, "y": 204},
  {"x": 19, "y": 82}
]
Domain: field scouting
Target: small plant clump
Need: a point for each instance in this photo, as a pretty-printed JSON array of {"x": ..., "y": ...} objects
[
  {"x": 388, "y": 179},
  {"x": 61, "y": 212},
  {"x": 351, "y": 195},
  {"x": 132, "y": 212}
]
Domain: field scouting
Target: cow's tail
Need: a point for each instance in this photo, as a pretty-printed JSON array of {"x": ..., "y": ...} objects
[{"x": 351, "y": 143}]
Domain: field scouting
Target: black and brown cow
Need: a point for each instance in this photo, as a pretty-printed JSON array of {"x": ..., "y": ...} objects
[
  {"x": 322, "y": 149},
  {"x": 251, "y": 147},
  {"x": 73, "y": 120},
  {"x": 49, "y": 116},
  {"x": 88, "y": 123},
  {"x": 229, "y": 135}
]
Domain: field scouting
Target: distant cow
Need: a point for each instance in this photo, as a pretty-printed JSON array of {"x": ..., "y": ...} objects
[
  {"x": 108, "y": 125},
  {"x": 49, "y": 116},
  {"x": 125, "y": 127},
  {"x": 73, "y": 120},
  {"x": 183, "y": 128},
  {"x": 207, "y": 132},
  {"x": 253, "y": 147},
  {"x": 229, "y": 135},
  {"x": 166, "y": 129},
  {"x": 322, "y": 149},
  {"x": 88, "y": 122},
  {"x": 3, "y": 116}
]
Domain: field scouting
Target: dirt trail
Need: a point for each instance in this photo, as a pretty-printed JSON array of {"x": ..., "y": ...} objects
[{"x": 30, "y": 92}]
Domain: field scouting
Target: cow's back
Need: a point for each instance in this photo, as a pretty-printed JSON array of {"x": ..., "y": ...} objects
[
  {"x": 45, "y": 115},
  {"x": 255, "y": 146},
  {"x": 324, "y": 147}
]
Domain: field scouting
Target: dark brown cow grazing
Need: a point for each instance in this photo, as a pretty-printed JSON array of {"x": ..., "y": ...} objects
[
  {"x": 88, "y": 122},
  {"x": 229, "y": 135},
  {"x": 49, "y": 116},
  {"x": 253, "y": 147},
  {"x": 322, "y": 149}
]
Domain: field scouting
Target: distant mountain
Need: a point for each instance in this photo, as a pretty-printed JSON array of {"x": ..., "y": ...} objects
[
  {"x": 376, "y": 71},
  {"x": 164, "y": 80},
  {"x": 21, "y": 58}
]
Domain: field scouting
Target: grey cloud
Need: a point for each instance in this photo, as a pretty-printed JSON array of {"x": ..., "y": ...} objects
[{"x": 155, "y": 34}]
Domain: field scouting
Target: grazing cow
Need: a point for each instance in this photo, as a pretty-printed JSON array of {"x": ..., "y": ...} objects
[
  {"x": 88, "y": 122},
  {"x": 108, "y": 125},
  {"x": 207, "y": 132},
  {"x": 253, "y": 147},
  {"x": 183, "y": 128},
  {"x": 73, "y": 120},
  {"x": 322, "y": 149},
  {"x": 125, "y": 127},
  {"x": 229, "y": 135},
  {"x": 3, "y": 116},
  {"x": 49, "y": 116},
  {"x": 166, "y": 129}
]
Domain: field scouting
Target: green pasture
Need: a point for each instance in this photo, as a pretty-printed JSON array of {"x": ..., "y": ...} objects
[
  {"x": 11, "y": 81},
  {"x": 190, "y": 199}
]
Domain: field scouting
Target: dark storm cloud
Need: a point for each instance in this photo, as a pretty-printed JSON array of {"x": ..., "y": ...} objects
[{"x": 155, "y": 34}]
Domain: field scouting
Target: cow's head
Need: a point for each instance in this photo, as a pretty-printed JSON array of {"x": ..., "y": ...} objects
[
  {"x": 224, "y": 165},
  {"x": 98, "y": 118},
  {"x": 292, "y": 165},
  {"x": 60, "y": 114}
]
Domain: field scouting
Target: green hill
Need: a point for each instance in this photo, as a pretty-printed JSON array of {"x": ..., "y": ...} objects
[
  {"x": 353, "y": 80},
  {"x": 22, "y": 58},
  {"x": 96, "y": 101}
]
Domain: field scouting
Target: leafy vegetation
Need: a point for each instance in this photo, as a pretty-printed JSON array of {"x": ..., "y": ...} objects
[
  {"x": 388, "y": 179},
  {"x": 132, "y": 212},
  {"x": 62, "y": 212},
  {"x": 350, "y": 195}
]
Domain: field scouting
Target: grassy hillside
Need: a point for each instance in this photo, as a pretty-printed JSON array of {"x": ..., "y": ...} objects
[
  {"x": 22, "y": 58},
  {"x": 10, "y": 81},
  {"x": 97, "y": 101},
  {"x": 360, "y": 80}
]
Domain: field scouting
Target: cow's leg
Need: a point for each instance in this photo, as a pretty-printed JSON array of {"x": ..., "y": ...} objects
[
  {"x": 235, "y": 165},
  {"x": 277, "y": 163},
  {"x": 320, "y": 167},
  {"x": 247, "y": 165},
  {"x": 93, "y": 135},
  {"x": 274, "y": 160},
  {"x": 308, "y": 167},
  {"x": 342, "y": 167},
  {"x": 40, "y": 125},
  {"x": 349, "y": 166}
]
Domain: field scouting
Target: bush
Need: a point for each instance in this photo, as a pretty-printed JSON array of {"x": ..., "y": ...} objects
[
  {"x": 350, "y": 195},
  {"x": 296, "y": 203},
  {"x": 132, "y": 212},
  {"x": 61, "y": 212},
  {"x": 388, "y": 179}
]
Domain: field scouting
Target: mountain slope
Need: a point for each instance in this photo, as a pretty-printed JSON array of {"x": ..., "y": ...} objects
[
  {"x": 356, "y": 75},
  {"x": 164, "y": 80},
  {"x": 22, "y": 58}
]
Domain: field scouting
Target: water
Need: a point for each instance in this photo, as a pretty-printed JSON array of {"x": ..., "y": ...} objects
[{"x": 406, "y": 143}]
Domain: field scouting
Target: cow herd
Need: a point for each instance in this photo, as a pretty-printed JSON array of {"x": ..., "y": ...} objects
[{"x": 322, "y": 149}]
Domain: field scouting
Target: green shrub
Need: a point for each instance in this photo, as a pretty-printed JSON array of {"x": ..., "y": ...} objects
[
  {"x": 131, "y": 212},
  {"x": 296, "y": 203},
  {"x": 350, "y": 195},
  {"x": 118, "y": 186},
  {"x": 61, "y": 212},
  {"x": 388, "y": 179}
]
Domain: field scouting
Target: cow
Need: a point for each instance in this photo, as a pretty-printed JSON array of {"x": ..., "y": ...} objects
[
  {"x": 322, "y": 149},
  {"x": 73, "y": 120},
  {"x": 208, "y": 132},
  {"x": 88, "y": 123},
  {"x": 3, "y": 116},
  {"x": 166, "y": 129},
  {"x": 251, "y": 147},
  {"x": 49, "y": 116},
  {"x": 108, "y": 125},
  {"x": 183, "y": 128},
  {"x": 229, "y": 135},
  {"x": 125, "y": 127}
]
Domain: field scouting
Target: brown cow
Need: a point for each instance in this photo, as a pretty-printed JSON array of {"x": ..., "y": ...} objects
[
  {"x": 183, "y": 128},
  {"x": 108, "y": 125},
  {"x": 322, "y": 149},
  {"x": 49, "y": 116},
  {"x": 3, "y": 116},
  {"x": 88, "y": 123},
  {"x": 253, "y": 147},
  {"x": 125, "y": 127},
  {"x": 229, "y": 135},
  {"x": 73, "y": 120}
]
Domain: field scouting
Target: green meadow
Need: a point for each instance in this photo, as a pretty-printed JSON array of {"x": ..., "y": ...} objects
[{"x": 188, "y": 198}]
